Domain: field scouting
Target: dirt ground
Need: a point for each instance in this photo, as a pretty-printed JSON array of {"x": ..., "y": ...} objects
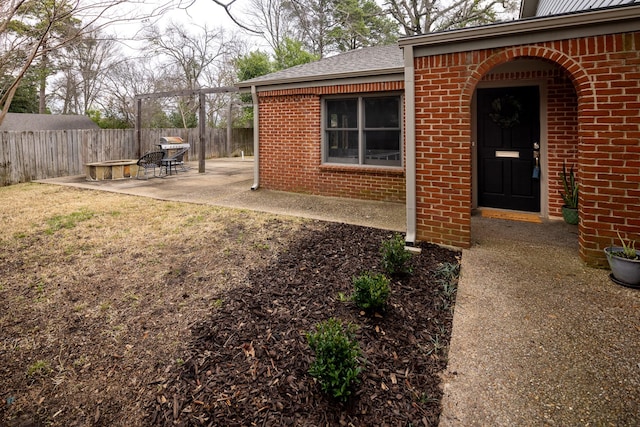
[{"x": 124, "y": 311}]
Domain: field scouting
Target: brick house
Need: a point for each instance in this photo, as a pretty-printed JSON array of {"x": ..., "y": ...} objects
[{"x": 451, "y": 122}]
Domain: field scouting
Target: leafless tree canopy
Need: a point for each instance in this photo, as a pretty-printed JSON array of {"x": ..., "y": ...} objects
[
  {"x": 63, "y": 48},
  {"x": 30, "y": 30},
  {"x": 425, "y": 16}
]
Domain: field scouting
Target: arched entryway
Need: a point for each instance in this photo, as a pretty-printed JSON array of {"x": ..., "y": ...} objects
[
  {"x": 524, "y": 127},
  {"x": 585, "y": 68}
]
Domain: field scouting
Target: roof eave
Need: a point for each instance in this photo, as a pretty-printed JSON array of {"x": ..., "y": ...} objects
[
  {"x": 526, "y": 26},
  {"x": 247, "y": 84}
]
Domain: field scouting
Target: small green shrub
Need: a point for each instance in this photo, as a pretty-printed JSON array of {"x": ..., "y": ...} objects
[
  {"x": 371, "y": 291},
  {"x": 447, "y": 275},
  {"x": 395, "y": 257},
  {"x": 336, "y": 365}
]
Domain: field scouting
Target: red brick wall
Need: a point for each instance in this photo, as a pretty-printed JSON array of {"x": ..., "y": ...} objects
[
  {"x": 562, "y": 136},
  {"x": 605, "y": 71},
  {"x": 290, "y": 148},
  {"x": 443, "y": 150}
]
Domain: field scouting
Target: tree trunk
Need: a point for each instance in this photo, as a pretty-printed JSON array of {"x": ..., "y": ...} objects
[{"x": 42, "y": 105}]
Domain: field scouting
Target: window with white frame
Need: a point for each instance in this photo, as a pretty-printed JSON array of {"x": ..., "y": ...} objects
[{"x": 363, "y": 130}]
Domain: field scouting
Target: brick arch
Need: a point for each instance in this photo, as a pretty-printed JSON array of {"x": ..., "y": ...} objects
[
  {"x": 576, "y": 72},
  {"x": 579, "y": 77}
]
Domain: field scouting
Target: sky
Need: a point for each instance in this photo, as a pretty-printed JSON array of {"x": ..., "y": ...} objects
[
  {"x": 190, "y": 12},
  {"x": 198, "y": 12}
]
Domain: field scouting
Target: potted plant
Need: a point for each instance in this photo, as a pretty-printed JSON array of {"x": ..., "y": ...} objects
[
  {"x": 625, "y": 263},
  {"x": 569, "y": 196}
]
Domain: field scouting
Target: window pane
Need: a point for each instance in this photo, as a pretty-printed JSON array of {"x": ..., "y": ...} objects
[
  {"x": 382, "y": 112},
  {"x": 342, "y": 114},
  {"x": 382, "y": 147},
  {"x": 342, "y": 146}
]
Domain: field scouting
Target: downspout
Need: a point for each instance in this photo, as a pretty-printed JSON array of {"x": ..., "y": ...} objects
[
  {"x": 410, "y": 141},
  {"x": 256, "y": 140}
]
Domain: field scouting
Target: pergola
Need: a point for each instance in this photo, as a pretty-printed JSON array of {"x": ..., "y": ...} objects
[{"x": 201, "y": 115}]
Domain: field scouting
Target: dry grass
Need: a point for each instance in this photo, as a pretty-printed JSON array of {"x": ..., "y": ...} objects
[{"x": 97, "y": 292}]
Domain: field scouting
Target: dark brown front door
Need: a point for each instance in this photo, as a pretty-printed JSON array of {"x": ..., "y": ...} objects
[{"x": 508, "y": 133}]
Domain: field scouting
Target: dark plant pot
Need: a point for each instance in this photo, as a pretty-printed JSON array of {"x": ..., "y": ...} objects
[
  {"x": 626, "y": 271},
  {"x": 570, "y": 215}
]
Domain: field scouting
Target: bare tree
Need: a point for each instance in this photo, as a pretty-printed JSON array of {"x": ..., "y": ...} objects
[
  {"x": 188, "y": 56},
  {"x": 314, "y": 21},
  {"x": 123, "y": 81},
  {"x": 83, "y": 67},
  {"x": 425, "y": 16},
  {"x": 8, "y": 9},
  {"x": 223, "y": 73},
  {"x": 188, "y": 50},
  {"x": 227, "y": 8},
  {"x": 274, "y": 17},
  {"x": 21, "y": 44}
]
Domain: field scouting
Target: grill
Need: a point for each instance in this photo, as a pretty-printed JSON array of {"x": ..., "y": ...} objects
[
  {"x": 172, "y": 143},
  {"x": 174, "y": 149}
]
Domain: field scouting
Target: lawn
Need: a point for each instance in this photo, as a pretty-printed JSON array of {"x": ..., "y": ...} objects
[{"x": 124, "y": 311}]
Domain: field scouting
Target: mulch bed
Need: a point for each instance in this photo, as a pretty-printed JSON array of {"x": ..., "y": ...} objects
[{"x": 247, "y": 363}]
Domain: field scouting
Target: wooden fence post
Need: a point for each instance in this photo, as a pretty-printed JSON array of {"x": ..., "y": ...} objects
[{"x": 201, "y": 129}]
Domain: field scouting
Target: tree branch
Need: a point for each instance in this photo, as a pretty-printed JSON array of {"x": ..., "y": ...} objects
[{"x": 227, "y": 9}]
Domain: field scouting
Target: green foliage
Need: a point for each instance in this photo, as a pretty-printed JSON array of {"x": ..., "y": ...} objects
[
  {"x": 290, "y": 54},
  {"x": 395, "y": 257},
  {"x": 159, "y": 120},
  {"x": 447, "y": 276},
  {"x": 255, "y": 64},
  {"x": 570, "y": 194},
  {"x": 336, "y": 365},
  {"x": 25, "y": 100},
  {"x": 59, "y": 222},
  {"x": 371, "y": 291},
  {"x": 183, "y": 120},
  {"x": 109, "y": 121},
  {"x": 628, "y": 248},
  {"x": 42, "y": 23},
  {"x": 360, "y": 23},
  {"x": 448, "y": 271}
]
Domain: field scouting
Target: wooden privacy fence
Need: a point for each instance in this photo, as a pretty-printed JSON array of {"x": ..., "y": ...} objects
[
  {"x": 215, "y": 141},
  {"x": 31, "y": 155}
]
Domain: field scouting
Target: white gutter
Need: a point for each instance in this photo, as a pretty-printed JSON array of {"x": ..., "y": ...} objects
[
  {"x": 256, "y": 140},
  {"x": 410, "y": 142}
]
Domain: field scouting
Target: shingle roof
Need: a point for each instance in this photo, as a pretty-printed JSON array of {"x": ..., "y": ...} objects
[
  {"x": 378, "y": 60},
  {"x": 26, "y": 122}
]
